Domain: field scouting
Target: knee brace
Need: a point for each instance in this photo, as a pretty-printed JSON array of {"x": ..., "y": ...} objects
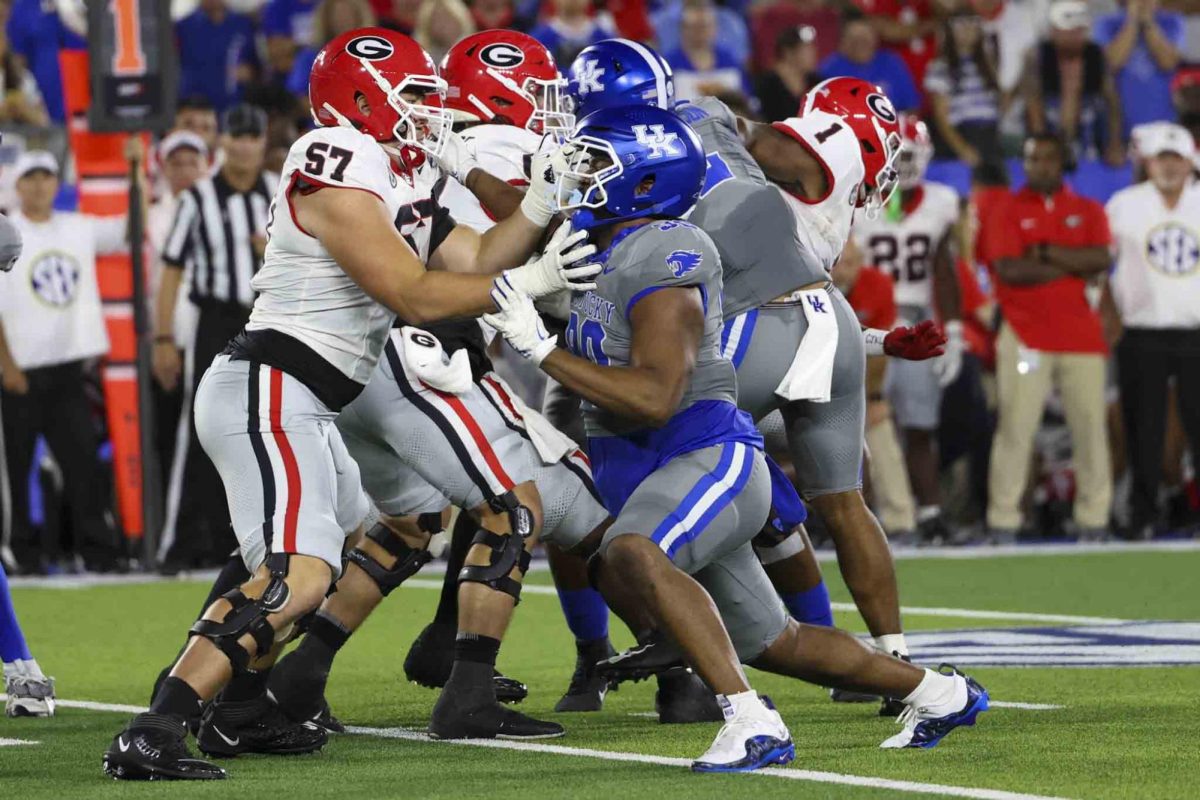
[
  {"x": 248, "y": 616},
  {"x": 508, "y": 549},
  {"x": 409, "y": 560}
]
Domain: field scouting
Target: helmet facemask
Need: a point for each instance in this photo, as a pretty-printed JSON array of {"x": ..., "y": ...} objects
[
  {"x": 418, "y": 125},
  {"x": 887, "y": 179},
  {"x": 551, "y": 115},
  {"x": 581, "y": 184}
]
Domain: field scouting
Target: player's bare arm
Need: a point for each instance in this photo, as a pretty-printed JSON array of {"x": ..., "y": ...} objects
[
  {"x": 786, "y": 162},
  {"x": 946, "y": 292},
  {"x": 500, "y": 198},
  {"x": 667, "y": 328}
]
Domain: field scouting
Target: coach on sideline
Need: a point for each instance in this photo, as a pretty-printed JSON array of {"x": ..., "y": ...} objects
[
  {"x": 217, "y": 239},
  {"x": 1156, "y": 291}
]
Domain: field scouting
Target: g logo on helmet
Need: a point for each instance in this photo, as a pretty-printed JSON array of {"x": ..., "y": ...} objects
[
  {"x": 882, "y": 107},
  {"x": 370, "y": 48},
  {"x": 501, "y": 55}
]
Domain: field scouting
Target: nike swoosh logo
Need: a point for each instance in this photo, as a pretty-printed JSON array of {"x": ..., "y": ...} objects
[
  {"x": 122, "y": 745},
  {"x": 607, "y": 269},
  {"x": 228, "y": 741}
]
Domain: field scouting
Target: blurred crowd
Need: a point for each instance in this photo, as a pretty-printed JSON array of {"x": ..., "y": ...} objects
[{"x": 985, "y": 75}]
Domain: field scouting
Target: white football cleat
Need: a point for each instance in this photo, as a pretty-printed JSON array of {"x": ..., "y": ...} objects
[
  {"x": 925, "y": 727},
  {"x": 29, "y": 696},
  {"x": 752, "y": 737}
]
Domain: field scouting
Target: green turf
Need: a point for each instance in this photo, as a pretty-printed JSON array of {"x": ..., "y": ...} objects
[{"x": 1125, "y": 733}]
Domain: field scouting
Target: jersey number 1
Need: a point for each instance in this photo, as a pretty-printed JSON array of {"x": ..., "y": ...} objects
[{"x": 318, "y": 154}]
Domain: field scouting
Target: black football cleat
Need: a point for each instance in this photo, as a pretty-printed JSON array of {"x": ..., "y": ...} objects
[
  {"x": 655, "y": 656},
  {"x": 297, "y": 684},
  {"x": 450, "y": 720},
  {"x": 154, "y": 747},
  {"x": 587, "y": 689},
  {"x": 848, "y": 696},
  {"x": 431, "y": 656},
  {"x": 230, "y": 728},
  {"x": 684, "y": 698}
]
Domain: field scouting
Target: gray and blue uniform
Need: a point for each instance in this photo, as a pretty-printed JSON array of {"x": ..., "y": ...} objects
[
  {"x": 698, "y": 486},
  {"x": 763, "y": 261}
]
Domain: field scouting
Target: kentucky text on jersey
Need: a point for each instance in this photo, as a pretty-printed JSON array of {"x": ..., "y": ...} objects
[{"x": 594, "y": 307}]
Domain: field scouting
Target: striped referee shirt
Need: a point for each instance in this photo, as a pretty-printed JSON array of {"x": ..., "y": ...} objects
[{"x": 212, "y": 234}]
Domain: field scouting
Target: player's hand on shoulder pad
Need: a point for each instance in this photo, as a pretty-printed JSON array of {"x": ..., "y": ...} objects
[
  {"x": 563, "y": 265},
  {"x": 458, "y": 156},
  {"x": 518, "y": 321},
  {"x": 922, "y": 341}
]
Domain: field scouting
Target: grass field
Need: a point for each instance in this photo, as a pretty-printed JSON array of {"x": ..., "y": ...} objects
[{"x": 1120, "y": 732}]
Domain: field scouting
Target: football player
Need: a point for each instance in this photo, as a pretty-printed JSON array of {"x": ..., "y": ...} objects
[
  {"x": 678, "y": 464},
  {"x": 793, "y": 338},
  {"x": 912, "y": 238},
  {"x": 337, "y": 269}
]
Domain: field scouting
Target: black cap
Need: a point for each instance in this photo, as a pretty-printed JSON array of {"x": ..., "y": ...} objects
[{"x": 244, "y": 120}]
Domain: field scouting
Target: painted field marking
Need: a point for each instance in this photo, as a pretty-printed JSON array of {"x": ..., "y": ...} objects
[{"x": 16, "y": 742}]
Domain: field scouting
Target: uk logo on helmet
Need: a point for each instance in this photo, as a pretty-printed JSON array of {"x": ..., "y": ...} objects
[
  {"x": 589, "y": 75},
  {"x": 501, "y": 55},
  {"x": 882, "y": 107},
  {"x": 370, "y": 48},
  {"x": 660, "y": 142}
]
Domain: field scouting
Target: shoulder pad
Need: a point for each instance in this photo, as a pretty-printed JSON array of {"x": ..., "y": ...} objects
[{"x": 342, "y": 157}]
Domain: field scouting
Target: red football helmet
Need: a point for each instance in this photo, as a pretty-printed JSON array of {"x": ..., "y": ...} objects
[
  {"x": 870, "y": 114},
  {"x": 914, "y": 158},
  {"x": 508, "y": 76},
  {"x": 382, "y": 66}
]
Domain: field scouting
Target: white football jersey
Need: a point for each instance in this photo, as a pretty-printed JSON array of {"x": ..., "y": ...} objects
[
  {"x": 302, "y": 291},
  {"x": 905, "y": 248},
  {"x": 502, "y": 150},
  {"x": 824, "y": 225}
]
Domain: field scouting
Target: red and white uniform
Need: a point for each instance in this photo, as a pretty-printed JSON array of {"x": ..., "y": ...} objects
[
  {"x": 503, "y": 151},
  {"x": 905, "y": 248}
]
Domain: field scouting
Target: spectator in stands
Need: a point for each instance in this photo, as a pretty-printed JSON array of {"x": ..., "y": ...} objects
[
  {"x": 859, "y": 56},
  {"x": 216, "y": 53},
  {"x": 1155, "y": 289},
  {"x": 794, "y": 72},
  {"x": 702, "y": 65},
  {"x": 333, "y": 18},
  {"x": 1069, "y": 90},
  {"x": 441, "y": 23},
  {"x": 21, "y": 102},
  {"x": 1142, "y": 45},
  {"x": 289, "y": 28},
  {"x": 490, "y": 14},
  {"x": 964, "y": 93},
  {"x": 401, "y": 15},
  {"x": 768, "y": 19},
  {"x": 908, "y": 28},
  {"x": 572, "y": 28},
  {"x": 1011, "y": 28},
  {"x": 1044, "y": 245},
  {"x": 36, "y": 33},
  {"x": 735, "y": 35},
  {"x": 196, "y": 114},
  {"x": 1185, "y": 97},
  {"x": 51, "y": 326}
]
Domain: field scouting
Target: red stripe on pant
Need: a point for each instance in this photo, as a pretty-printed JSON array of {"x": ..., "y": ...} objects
[
  {"x": 290, "y": 468},
  {"x": 481, "y": 442},
  {"x": 504, "y": 397}
]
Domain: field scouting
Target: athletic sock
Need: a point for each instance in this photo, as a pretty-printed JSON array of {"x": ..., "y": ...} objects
[
  {"x": 176, "y": 697},
  {"x": 325, "y": 637},
  {"x": 810, "y": 606},
  {"x": 586, "y": 613},
  {"x": 460, "y": 544},
  {"x": 892, "y": 644},
  {"x": 926, "y": 513},
  {"x": 939, "y": 694},
  {"x": 12, "y": 642},
  {"x": 474, "y": 663},
  {"x": 247, "y": 685}
]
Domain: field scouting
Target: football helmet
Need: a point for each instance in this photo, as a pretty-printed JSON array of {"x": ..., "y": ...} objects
[
  {"x": 619, "y": 72},
  {"x": 870, "y": 114},
  {"x": 613, "y": 151},
  {"x": 916, "y": 154},
  {"x": 388, "y": 69},
  {"x": 506, "y": 76}
]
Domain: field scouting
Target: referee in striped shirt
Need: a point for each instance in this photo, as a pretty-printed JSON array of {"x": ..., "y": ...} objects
[{"x": 216, "y": 244}]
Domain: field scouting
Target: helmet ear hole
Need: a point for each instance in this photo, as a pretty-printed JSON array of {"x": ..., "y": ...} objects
[
  {"x": 868, "y": 145},
  {"x": 645, "y": 186},
  {"x": 364, "y": 105}
]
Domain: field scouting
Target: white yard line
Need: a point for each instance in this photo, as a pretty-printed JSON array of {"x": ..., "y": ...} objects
[
  {"x": 811, "y": 776},
  {"x": 1026, "y": 706}
]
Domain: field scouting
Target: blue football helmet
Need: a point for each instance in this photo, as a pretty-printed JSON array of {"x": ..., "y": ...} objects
[
  {"x": 619, "y": 72},
  {"x": 613, "y": 151}
]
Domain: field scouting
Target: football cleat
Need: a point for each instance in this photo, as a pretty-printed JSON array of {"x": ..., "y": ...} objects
[
  {"x": 891, "y": 707},
  {"x": 431, "y": 656},
  {"x": 684, "y": 698},
  {"x": 488, "y": 721},
  {"x": 153, "y": 747},
  {"x": 29, "y": 696},
  {"x": 656, "y": 656},
  {"x": 923, "y": 728},
  {"x": 752, "y": 737},
  {"x": 230, "y": 728},
  {"x": 297, "y": 684},
  {"x": 587, "y": 689}
]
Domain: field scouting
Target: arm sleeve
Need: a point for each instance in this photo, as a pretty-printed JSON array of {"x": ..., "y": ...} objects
[
  {"x": 110, "y": 234},
  {"x": 178, "y": 244},
  {"x": 671, "y": 254}
]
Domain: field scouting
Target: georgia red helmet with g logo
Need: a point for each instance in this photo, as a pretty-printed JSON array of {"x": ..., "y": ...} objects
[
  {"x": 917, "y": 151},
  {"x": 382, "y": 66},
  {"x": 505, "y": 76},
  {"x": 870, "y": 114}
]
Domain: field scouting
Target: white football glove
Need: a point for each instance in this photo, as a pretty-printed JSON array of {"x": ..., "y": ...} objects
[
  {"x": 556, "y": 268},
  {"x": 947, "y": 366},
  {"x": 518, "y": 322},
  {"x": 457, "y": 156},
  {"x": 540, "y": 203}
]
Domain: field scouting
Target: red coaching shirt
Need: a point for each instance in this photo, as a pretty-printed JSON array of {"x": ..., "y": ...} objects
[
  {"x": 1053, "y": 316},
  {"x": 873, "y": 299}
]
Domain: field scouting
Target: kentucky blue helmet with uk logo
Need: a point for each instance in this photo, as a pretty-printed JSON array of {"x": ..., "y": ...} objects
[
  {"x": 619, "y": 72},
  {"x": 629, "y": 162}
]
